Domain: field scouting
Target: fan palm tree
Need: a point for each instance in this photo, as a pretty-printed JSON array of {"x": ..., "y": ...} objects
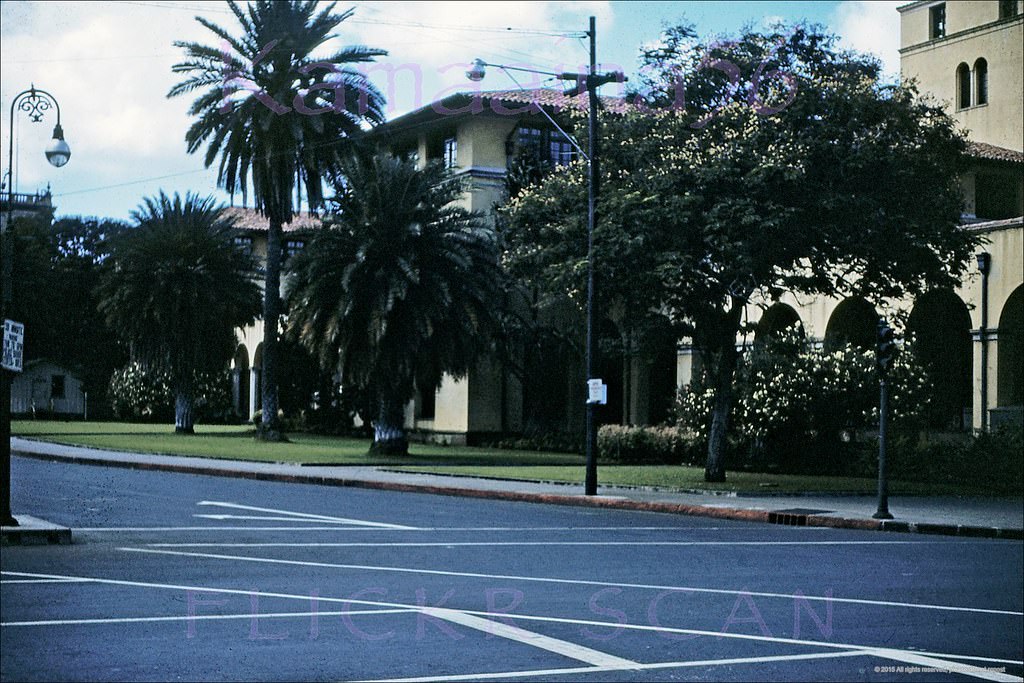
[
  {"x": 272, "y": 111},
  {"x": 398, "y": 289},
  {"x": 175, "y": 288}
]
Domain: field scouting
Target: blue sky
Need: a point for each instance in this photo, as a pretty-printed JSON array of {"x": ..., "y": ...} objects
[{"x": 109, "y": 66}]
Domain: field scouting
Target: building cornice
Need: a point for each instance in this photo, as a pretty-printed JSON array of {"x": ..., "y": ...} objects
[{"x": 960, "y": 35}]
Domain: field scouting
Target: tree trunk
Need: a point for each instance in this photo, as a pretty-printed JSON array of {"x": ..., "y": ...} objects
[
  {"x": 269, "y": 428},
  {"x": 389, "y": 430},
  {"x": 184, "y": 413},
  {"x": 723, "y": 373}
]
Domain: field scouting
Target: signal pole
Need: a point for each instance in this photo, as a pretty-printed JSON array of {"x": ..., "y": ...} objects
[{"x": 885, "y": 354}]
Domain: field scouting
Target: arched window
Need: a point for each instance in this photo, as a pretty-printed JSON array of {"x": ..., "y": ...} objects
[
  {"x": 981, "y": 81},
  {"x": 963, "y": 86}
]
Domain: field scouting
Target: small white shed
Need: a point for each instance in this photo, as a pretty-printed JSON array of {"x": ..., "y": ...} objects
[{"x": 46, "y": 387}]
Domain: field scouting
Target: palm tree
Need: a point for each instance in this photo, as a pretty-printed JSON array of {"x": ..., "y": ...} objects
[
  {"x": 398, "y": 289},
  {"x": 271, "y": 110},
  {"x": 175, "y": 288}
]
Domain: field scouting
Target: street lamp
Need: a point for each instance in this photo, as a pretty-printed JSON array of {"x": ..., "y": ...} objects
[
  {"x": 590, "y": 82},
  {"x": 35, "y": 103}
]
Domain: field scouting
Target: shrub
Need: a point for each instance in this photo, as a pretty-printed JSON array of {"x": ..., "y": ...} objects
[
  {"x": 138, "y": 393},
  {"x": 627, "y": 445},
  {"x": 795, "y": 404}
]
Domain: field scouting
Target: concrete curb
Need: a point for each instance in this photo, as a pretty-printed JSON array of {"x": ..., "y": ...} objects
[
  {"x": 555, "y": 499},
  {"x": 34, "y": 531}
]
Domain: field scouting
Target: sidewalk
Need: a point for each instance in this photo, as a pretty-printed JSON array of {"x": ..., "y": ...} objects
[{"x": 988, "y": 517}]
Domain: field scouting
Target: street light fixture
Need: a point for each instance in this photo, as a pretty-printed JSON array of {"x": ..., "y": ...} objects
[
  {"x": 35, "y": 103},
  {"x": 588, "y": 82}
]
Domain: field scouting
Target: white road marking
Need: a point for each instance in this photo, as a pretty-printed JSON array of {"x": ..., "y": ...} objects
[
  {"x": 6, "y": 581},
  {"x": 456, "y": 544},
  {"x": 870, "y": 649},
  {"x": 431, "y": 529},
  {"x": 290, "y": 514},
  {"x": 602, "y": 669},
  {"x": 268, "y": 518},
  {"x": 203, "y": 617},
  {"x": 579, "y": 582},
  {"x": 474, "y": 621},
  {"x": 561, "y": 647}
]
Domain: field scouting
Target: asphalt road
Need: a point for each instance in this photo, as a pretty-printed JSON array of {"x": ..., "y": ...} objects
[{"x": 187, "y": 577}]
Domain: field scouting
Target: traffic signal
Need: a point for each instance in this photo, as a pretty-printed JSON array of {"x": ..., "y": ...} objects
[{"x": 885, "y": 347}]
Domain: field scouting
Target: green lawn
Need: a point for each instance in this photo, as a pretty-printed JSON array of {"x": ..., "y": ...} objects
[
  {"x": 692, "y": 479},
  {"x": 237, "y": 443}
]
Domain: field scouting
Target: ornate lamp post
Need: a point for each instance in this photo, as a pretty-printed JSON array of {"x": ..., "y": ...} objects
[
  {"x": 35, "y": 103},
  {"x": 590, "y": 82}
]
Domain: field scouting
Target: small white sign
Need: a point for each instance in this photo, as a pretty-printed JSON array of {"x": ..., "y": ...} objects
[
  {"x": 597, "y": 392},
  {"x": 14, "y": 344}
]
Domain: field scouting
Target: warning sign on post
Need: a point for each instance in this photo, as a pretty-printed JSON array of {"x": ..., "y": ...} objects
[{"x": 14, "y": 343}]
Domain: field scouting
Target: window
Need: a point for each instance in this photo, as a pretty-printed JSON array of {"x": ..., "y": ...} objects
[
  {"x": 937, "y": 21},
  {"x": 548, "y": 146},
  {"x": 57, "y": 386},
  {"x": 451, "y": 152},
  {"x": 981, "y": 82},
  {"x": 963, "y": 86},
  {"x": 244, "y": 244},
  {"x": 562, "y": 151},
  {"x": 293, "y": 247},
  {"x": 1007, "y": 9}
]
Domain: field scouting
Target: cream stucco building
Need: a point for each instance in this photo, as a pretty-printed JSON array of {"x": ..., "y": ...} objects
[{"x": 967, "y": 54}]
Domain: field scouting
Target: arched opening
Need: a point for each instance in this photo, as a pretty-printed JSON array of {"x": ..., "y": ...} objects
[
  {"x": 1010, "y": 371},
  {"x": 257, "y": 378},
  {"x": 776, "y": 320},
  {"x": 854, "y": 322},
  {"x": 240, "y": 382},
  {"x": 963, "y": 86},
  {"x": 981, "y": 81},
  {"x": 941, "y": 327}
]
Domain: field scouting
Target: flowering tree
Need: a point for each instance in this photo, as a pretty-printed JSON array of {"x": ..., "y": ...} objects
[{"x": 771, "y": 163}]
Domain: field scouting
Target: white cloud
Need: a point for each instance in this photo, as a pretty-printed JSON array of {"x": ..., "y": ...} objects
[{"x": 871, "y": 26}]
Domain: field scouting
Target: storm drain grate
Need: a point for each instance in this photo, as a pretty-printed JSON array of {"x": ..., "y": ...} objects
[{"x": 792, "y": 516}]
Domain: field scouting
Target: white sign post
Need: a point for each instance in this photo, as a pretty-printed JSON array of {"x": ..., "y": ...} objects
[
  {"x": 597, "y": 392},
  {"x": 14, "y": 344}
]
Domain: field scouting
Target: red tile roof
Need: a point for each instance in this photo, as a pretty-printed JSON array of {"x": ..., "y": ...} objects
[
  {"x": 983, "y": 150},
  {"x": 250, "y": 219}
]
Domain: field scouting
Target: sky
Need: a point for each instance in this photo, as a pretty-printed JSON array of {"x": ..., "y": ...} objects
[{"x": 108, "y": 64}]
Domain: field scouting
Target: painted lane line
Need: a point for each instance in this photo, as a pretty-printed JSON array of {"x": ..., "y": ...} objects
[
  {"x": 474, "y": 621},
  {"x": 604, "y": 669},
  {"x": 561, "y": 647},
  {"x": 526, "y": 617},
  {"x": 292, "y": 514},
  {"x": 6, "y": 581},
  {"x": 580, "y": 582},
  {"x": 489, "y": 544},
  {"x": 268, "y": 518},
  {"x": 205, "y": 617},
  {"x": 492, "y": 529}
]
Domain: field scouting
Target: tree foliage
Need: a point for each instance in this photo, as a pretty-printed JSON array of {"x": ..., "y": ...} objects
[
  {"x": 398, "y": 288},
  {"x": 56, "y": 267},
  {"x": 769, "y": 163},
  {"x": 175, "y": 288},
  {"x": 276, "y": 112}
]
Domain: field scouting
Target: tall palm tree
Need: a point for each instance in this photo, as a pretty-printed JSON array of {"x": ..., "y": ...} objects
[
  {"x": 398, "y": 289},
  {"x": 175, "y": 288},
  {"x": 270, "y": 109}
]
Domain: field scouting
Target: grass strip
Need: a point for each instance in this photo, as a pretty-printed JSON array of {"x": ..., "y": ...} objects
[{"x": 237, "y": 442}]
